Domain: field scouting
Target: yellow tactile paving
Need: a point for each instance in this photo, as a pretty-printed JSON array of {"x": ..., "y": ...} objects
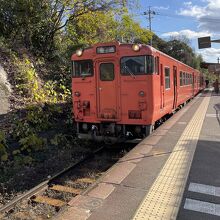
[{"x": 164, "y": 197}]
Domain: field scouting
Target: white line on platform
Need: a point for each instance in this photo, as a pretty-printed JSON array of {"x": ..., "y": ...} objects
[
  {"x": 205, "y": 189},
  {"x": 211, "y": 115},
  {"x": 204, "y": 207}
]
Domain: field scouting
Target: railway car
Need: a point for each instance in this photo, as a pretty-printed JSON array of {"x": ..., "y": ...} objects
[{"x": 120, "y": 91}]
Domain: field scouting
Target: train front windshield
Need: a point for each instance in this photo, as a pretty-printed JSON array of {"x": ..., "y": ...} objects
[
  {"x": 137, "y": 65},
  {"x": 82, "y": 68}
]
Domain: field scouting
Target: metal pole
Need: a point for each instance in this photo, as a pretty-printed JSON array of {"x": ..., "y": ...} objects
[
  {"x": 149, "y": 17},
  {"x": 150, "y": 13}
]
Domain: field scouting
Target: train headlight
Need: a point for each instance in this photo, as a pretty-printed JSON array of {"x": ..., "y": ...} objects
[
  {"x": 77, "y": 94},
  {"x": 136, "y": 47},
  {"x": 79, "y": 52},
  {"x": 141, "y": 93}
]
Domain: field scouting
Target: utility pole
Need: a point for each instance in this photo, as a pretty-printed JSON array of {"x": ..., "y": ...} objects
[{"x": 150, "y": 14}]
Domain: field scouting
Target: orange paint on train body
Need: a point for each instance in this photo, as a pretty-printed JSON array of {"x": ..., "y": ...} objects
[{"x": 119, "y": 92}]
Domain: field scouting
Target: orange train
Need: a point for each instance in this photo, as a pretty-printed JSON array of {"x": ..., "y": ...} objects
[{"x": 121, "y": 90}]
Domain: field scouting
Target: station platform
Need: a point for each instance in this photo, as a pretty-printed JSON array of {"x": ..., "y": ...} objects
[{"x": 172, "y": 174}]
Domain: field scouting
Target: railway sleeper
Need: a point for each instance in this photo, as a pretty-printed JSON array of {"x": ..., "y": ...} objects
[
  {"x": 66, "y": 189},
  {"x": 49, "y": 201},
  {"x": 85, "y": 180}
]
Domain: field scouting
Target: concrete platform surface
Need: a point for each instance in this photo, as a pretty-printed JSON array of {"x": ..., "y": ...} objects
[{"x": 156, "y": 180}]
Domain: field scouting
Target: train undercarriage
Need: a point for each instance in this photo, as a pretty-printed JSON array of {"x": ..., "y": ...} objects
[{"x": 112, "y": 132}]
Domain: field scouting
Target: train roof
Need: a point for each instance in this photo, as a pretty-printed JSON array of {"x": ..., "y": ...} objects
[{"x": 119, "y": 44}]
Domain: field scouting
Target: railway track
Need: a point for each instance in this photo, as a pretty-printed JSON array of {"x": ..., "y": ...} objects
[{"x": 52, "y": 195}]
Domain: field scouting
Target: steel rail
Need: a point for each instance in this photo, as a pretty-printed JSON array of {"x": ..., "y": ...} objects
[{"x": 44, "y": 184}]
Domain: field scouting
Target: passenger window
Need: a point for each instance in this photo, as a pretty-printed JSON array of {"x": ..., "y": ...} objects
[
  {"x": 181, "y": 78},
  {"x": 167, "y": 78},
  {"x": 184, "y": 78},
  {"x": 107, "y": 72}
]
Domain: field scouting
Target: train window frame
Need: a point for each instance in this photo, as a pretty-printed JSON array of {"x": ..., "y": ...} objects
[
  {"x": 181, "y": 78},
  {"x": 100, "y": 74},
  {"x": 157, "y": 65},
  {"x": 151, "y": 72},
  {"x": 167, "y": 78},
  {"x": 184, "y": 78},
  {"x": 74, "y": 75}
]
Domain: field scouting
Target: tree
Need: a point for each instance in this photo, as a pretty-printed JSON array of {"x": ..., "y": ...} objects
[
  {"x": 159, "y": 43},
  {"x": 91, "y": 28},
  {"x": 130, "y": 31},
  {"x": 94, "y": 27},
  {"x": 180, "y": 51},
  {"x": 37, "y": 23}
]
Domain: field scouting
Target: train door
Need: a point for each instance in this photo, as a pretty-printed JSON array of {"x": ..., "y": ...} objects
[
  {"x": 174, "y": 87},
  {"x": 161, "y": 87},
  {"x": 107, "y": 90}
]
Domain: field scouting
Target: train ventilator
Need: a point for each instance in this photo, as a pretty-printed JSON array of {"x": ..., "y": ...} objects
[{"x": 121, "y": 90}]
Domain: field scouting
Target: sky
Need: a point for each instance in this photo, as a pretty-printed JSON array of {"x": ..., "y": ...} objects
[{"x": 192, "y": 19}]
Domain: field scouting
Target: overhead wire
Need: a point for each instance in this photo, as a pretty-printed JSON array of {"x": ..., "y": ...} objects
[{"x": 215, "y": 20}]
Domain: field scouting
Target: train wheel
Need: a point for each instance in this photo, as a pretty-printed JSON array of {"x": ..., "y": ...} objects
[{"x": 149, "y": 129}]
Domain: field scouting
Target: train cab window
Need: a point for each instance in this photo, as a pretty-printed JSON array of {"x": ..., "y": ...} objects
[
  {"x": 138, "y": 65},
  {"x": 167, "y": 78},
  {"x": 82, "y": 68},
  {"x": 107, "y": 72}
]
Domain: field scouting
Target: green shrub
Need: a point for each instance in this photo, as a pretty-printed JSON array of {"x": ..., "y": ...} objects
[
  {"x": 21, "y": 129},
  {"x": 32, "y": 143},
  {"x": 21, "y": 160}
]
